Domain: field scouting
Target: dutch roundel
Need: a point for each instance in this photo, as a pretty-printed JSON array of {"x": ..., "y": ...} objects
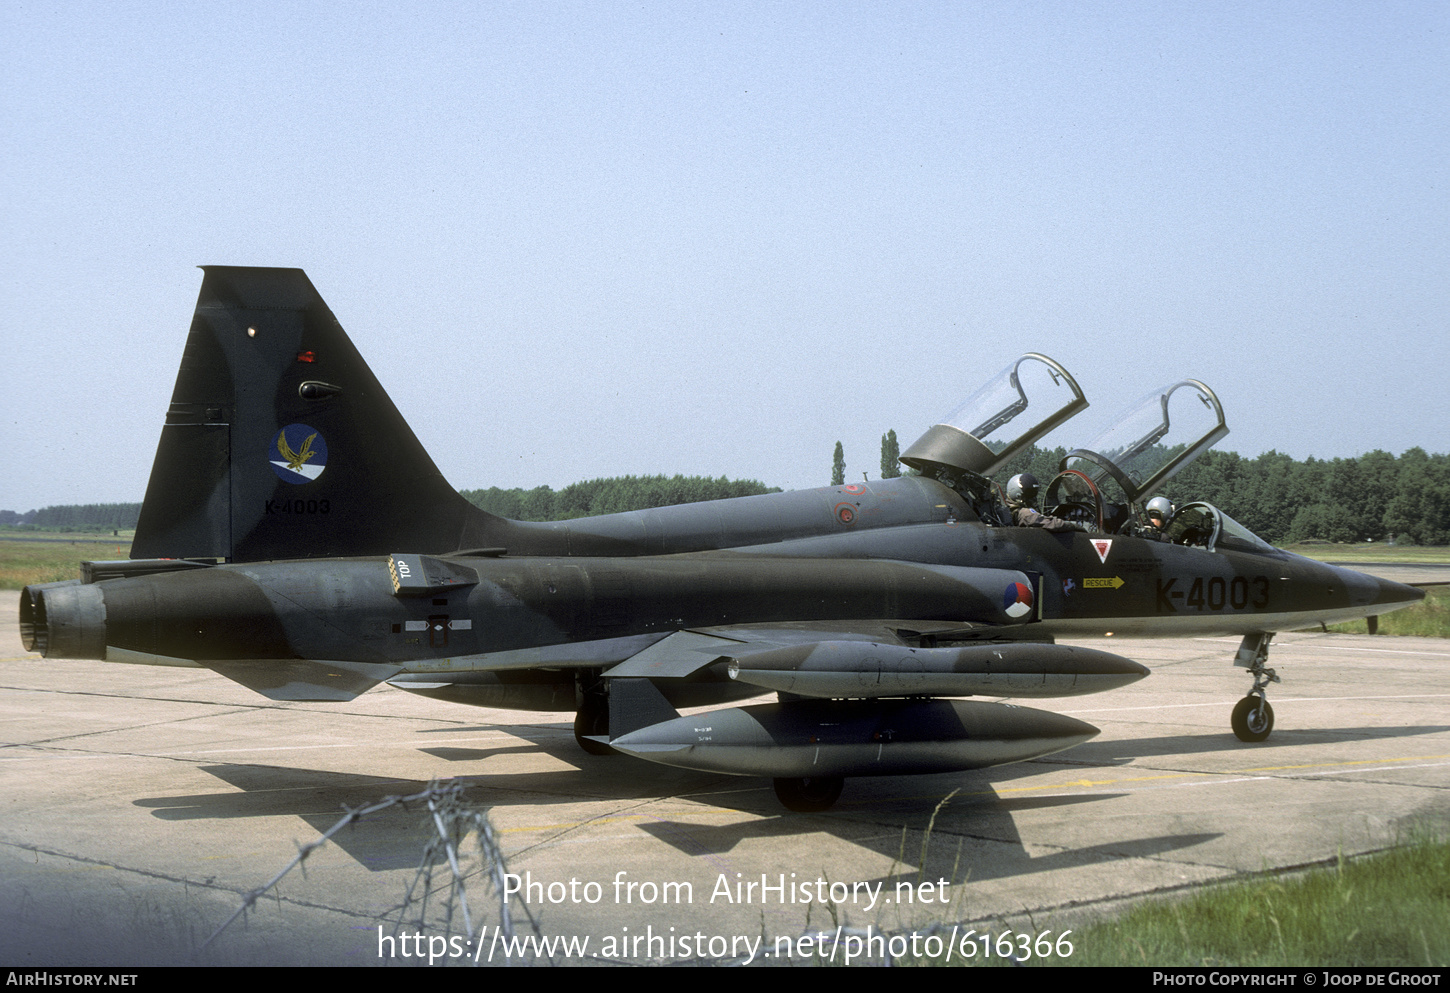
[{"x": 1017, "y": 600}]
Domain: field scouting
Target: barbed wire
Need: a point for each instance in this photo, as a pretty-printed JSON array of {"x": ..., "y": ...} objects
[{"x": 451, "y": 821}]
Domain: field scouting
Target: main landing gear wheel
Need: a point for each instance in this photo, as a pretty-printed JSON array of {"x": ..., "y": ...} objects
[
  {"x": 592, "y": 718},
  {"x": 1253, "y": 719},
  {"x": 809, "y": 795}
]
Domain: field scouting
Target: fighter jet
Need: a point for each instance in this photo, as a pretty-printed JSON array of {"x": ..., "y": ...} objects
[{"x": 296, "y": 538}]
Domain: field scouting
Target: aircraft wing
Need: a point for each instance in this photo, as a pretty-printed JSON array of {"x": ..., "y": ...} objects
[
  {"x": 873, "y": 661},
  {"x": 836, "y": 690},
  {"x": 855, "y": 659}
]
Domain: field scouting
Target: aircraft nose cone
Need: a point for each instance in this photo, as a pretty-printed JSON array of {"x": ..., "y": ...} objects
[
  {"x": 1392, "y": 592},
  {"x": 1367, "y": 590}
]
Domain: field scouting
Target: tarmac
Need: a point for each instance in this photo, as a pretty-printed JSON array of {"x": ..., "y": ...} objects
[{"x": 142, "y": 805}]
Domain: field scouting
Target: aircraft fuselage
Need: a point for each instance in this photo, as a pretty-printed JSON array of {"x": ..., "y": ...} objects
[{"x": 1083, "y": 584}]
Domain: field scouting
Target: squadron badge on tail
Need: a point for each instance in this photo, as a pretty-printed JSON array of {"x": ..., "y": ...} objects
[{"x": 305, "y": 462}]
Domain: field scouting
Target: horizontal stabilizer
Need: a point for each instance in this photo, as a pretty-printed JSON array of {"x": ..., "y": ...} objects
[{"x": 306, "y": 679}]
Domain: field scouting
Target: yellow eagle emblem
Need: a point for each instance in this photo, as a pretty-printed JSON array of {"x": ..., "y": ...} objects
[{"x": 295, "y": 459}]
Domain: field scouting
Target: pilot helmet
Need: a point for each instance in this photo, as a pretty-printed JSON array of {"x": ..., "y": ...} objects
[
  {"x": 1022, "y": 488},
  {"x": 1160, "y": 507}
]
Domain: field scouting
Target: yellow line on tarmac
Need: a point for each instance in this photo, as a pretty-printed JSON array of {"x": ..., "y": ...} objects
[
  {"x": 1332, "y": 765},
  {"x": 1090, "y": 783}
]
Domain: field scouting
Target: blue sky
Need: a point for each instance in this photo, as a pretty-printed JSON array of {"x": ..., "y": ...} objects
[{"x": 577, "y": 240}]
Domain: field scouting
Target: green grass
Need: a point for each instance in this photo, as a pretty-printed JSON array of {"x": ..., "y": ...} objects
[
  {"x": 1430, "y": 618},
  {"x": 1390, "y": 909},
  {"x": 1376, "y": 551},
  {"x": 25, "y": 530},
  {"x": 26, "y": 562}
]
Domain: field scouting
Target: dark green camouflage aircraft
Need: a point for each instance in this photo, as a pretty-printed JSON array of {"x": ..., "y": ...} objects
[{"x": 297, "y": 539}]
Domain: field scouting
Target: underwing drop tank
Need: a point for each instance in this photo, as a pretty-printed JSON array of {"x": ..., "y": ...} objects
[
  {"x": 807, "y": 738},
  {"x": 845, "y": 669}
]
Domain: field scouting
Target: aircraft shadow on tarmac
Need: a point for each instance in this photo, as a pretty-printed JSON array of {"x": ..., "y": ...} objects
[
  {"x": 389, "y": 839},
  {"x": 395, "y": 838},
  {"x": 450, "y": 754},
  {"x": 971, "y": 838},
  {"x": 974, "y": 835},
  {"x": 887, "y": 814},
  {"x": 557, "y": 741},
  {"x": 1123, "y": 750}
]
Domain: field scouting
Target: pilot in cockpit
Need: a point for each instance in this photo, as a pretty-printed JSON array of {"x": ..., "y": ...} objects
[
  {"x": 1021, "y": 495},
  {"x": 1159, "y": 511}
]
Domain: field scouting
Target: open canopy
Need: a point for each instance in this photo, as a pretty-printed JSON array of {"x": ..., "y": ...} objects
[
  {"x": 1026, "y": 400},
  {"x": 1154, "y": 440}
]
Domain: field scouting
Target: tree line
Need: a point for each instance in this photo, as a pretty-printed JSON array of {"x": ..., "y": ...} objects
[
  {"x": 1373, "y": 497},
  {"x": 542, "y": 503},
  {"x": 76, "y": 517},
  {"x": 1370, "y": 497},
  {"x": 609, "y": 496}
]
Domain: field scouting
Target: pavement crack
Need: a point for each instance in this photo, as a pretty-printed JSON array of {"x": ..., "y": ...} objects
[
  {"x": 121, "y": 728},
  {"x": 272, "y": 895}
]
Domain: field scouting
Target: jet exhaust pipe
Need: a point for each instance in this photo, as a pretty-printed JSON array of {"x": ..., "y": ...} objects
[
  {"x": 194, "y": 614},
  {"x": 63, "y": 620},
  {"x": 805, "y": 739},
  {"x": 837, "y": 669}
]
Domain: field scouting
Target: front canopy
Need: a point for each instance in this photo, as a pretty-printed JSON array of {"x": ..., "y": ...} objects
[{"x": 1026, "y": 400}]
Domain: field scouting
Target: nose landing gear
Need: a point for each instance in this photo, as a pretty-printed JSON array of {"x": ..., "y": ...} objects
[{"x": 1253, "y": 718}]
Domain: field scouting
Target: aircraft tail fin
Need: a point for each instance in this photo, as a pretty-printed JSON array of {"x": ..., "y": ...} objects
[{"x": 280, "y": 442}]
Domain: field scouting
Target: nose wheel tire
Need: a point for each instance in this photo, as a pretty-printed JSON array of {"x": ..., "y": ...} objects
[
  {"x": 809, "y": 795},
  {"x": 1253, "y": 719}
]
